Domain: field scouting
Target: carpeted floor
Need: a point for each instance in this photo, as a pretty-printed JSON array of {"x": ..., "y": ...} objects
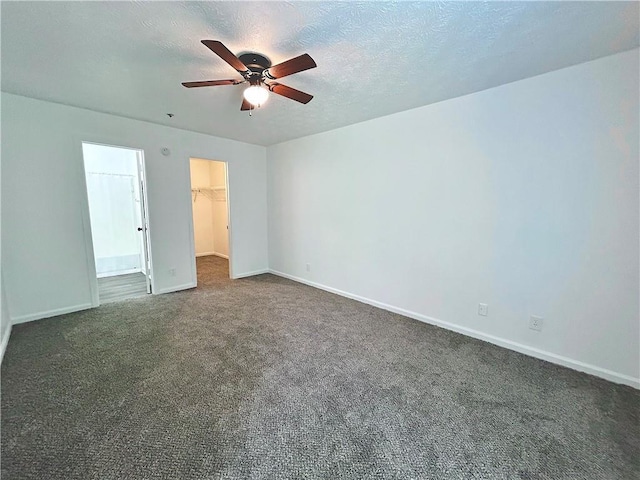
[{"x": 264, "y": 378}]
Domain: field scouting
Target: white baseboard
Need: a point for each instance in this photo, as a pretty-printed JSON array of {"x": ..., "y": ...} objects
[
  {"x": 501, "y": 342},
  {"x": 251, "y": 274},
  {"x": 208, "y": 254},
  {"x": 177, "y": 288},
  {"x": 118, "y": 273},
  {"x": 4, "y": 343},
  {"x": 50, "y": 313}
]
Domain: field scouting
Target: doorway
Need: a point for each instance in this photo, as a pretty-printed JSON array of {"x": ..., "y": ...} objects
[
  {"x": 116, "y": 192},
  {"x": 210, "y": 206}
]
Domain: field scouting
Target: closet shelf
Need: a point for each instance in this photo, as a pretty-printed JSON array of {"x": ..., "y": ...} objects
[
  {"x": 215, "y": 188},
  {"x": 215, "y": 193}
]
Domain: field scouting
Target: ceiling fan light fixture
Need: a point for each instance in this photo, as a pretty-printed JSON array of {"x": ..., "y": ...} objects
[{"x": 256, "y": 95}]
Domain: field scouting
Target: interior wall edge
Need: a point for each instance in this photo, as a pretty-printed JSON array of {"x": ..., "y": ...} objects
[
  {"x": 177, "y": 288},
  {"x": 251, "y": 274},
  {"x": 594, "y": 370},
  {"x": 4, "y": 343}
]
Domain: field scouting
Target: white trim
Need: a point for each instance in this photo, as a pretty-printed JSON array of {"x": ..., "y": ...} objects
[
  {"x": 86, "y": 227},
  {"x": 215, "y": 254},
  {"x": 119, "y": 272},
  {"x": 230, "y": 240},
  {"x": 51, "y": 313},
  {"x": 192, "y": 234},
  {"x": 177, "y": 288},
  {"x": 4, "y": 343},
  {"x": 501, "y": 342},
  {"x": 143, "y": 188},
  {"x": 255, "y": 272}
]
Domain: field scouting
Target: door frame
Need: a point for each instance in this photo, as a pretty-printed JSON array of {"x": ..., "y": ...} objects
[
  {"x": 229, "y": 218},
  {"x": 79, "y": 140},
  {"x": 144, "y": 215}
]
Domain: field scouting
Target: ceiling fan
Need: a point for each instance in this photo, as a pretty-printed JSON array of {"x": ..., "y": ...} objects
[{"x": 257, "y": 70}]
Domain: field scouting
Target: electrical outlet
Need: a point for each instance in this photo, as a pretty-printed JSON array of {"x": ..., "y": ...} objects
[
  {"x": 172, "y": 272},
  {"x": 483, "y": 309},
  {"x": 535, "y": 323},
  {"x": 308, "y": 267}
]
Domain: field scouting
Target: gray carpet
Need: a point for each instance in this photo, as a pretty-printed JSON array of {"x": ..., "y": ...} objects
[{"x": 265, "y": 378}]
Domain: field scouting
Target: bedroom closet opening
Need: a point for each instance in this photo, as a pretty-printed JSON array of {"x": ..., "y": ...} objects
[
  {"x": 116, "y": 193},
  {"x": 210, "y": 219}
]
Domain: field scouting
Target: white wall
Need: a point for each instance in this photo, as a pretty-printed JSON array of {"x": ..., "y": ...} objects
[
  {"x": 46, "y": 262},
  {"x": 106, "y": 159},
  {"x": 113, "y": 189},
  {"x": 524, "y": 197}
]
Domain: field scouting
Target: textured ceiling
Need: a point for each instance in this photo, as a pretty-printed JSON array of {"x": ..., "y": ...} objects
[{"x": 374, "y": 58}]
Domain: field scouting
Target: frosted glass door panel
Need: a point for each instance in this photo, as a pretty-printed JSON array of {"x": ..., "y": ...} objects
[{"x": 115, "y": 217}]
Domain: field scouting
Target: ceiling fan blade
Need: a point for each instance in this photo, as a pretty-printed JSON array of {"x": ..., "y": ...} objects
[
  {"x": 210, "y": 83},
  {"x": 294, "y": 65},
  {"x": 245, "y": 105},
  {"x": 225, "y": 54},
  {"x": 289, "y": 92}
]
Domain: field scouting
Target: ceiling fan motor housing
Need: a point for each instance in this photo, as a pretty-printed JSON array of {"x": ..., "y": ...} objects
[{"x": 256, "y": 64}]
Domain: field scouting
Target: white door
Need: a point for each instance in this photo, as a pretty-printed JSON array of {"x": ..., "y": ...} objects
[{"x": 144, "y": 228}]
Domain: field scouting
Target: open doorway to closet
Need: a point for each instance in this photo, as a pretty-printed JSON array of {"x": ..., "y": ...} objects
[
  {"x": 116, "y": 192},
  {"x": 209, "y": 194}
]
